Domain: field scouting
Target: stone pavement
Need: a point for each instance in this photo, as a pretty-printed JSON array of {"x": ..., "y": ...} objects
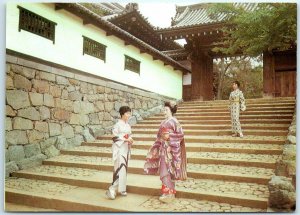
[{"x": 225, "y": 174}]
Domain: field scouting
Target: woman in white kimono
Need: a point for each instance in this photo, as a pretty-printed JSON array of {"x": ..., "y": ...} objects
[
  {"x": 237, "y": 103},
  {"x": 122, "y": 141}
]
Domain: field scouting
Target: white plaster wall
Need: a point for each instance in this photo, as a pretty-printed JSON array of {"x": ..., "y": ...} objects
[{"x": 67, "y": 50}]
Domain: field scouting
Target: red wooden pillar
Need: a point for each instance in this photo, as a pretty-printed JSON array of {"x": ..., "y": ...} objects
[
  {"x": 268, "y": 75},
  {"x": 202, "y": 77}
]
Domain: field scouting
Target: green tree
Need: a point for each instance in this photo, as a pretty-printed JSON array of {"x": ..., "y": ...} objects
[{"x": 267, "y": 27}]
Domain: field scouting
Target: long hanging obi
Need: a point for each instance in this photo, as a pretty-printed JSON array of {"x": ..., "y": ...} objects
[{"x": 171, "y": 153}]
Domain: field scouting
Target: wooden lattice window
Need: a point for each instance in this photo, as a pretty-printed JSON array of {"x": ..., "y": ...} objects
[
  {"x": 93, "y": 48},
  {"x": 132, "y": 64},
  {"x": 36, "y": 24}
]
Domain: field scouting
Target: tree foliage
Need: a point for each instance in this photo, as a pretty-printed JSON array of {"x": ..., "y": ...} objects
[
  {"x": 269, "y": 26},
  {"x": 248, "y": 71}
]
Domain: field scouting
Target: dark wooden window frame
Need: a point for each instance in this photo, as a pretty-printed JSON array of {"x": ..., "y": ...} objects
[
  {"x": 36, "y": 24},
  {"x": 94, "y": 48},
  {"x": 132, "y": 64}
]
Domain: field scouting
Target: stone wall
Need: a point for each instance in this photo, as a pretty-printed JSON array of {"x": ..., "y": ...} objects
[
  {"x": 282, "y": 186},
  {"x": 49, "y": 109}
]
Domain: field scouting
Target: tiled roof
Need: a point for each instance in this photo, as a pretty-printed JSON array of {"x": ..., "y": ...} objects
[
  {"x": 107, "y": 26},
  {"x": 196, "y": 15}
]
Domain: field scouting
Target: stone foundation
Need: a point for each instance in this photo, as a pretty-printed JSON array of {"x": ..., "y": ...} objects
[
  {"x": 49, "y": 109},
  {"x": 282, "y": 186}
]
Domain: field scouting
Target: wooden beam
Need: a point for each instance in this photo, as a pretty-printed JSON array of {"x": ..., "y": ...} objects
[
  {"x": 86, "y": 22},
  {"x": 108, "y": 33},
  {"x": 57, "y": 7}
]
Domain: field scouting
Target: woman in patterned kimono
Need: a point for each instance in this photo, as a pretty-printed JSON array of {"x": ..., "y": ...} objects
[
  {"x": 122, "y": 141},
  {"x": 167, "y": 155},
  {"x": 237, "y": 103}
]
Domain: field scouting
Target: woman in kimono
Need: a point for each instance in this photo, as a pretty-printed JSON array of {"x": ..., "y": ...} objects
[
  {"x": 167, "y": 155},
  {"x": 237, "y": 103},
  {"x": 122, "y": 141}
]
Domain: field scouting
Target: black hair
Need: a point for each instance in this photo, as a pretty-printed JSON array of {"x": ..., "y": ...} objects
[
  {"x": 237, "y": 83},
  {"x": 124, "y": 109},
  {"x": 173, "y": 109}
]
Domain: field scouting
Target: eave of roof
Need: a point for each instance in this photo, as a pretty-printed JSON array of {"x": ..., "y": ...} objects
[{"x": 111, "y": 29}]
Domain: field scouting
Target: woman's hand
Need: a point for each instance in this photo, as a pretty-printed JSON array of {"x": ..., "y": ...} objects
[
  {"x": 166, "y": 136},
  {"x": 130, "y": 140}
]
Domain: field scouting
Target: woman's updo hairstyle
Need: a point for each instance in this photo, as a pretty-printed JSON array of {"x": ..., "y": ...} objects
[{"x": 172, "y": 106}]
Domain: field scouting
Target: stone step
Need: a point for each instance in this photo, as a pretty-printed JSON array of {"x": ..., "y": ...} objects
[
  {"x": 248, "y": 102},
  {"x": 226, "y": 117},
  {"x": 227, "y": 112},
  {"x": 11, "y": 207},
  {"x": 242, "y": 159},
  {"x": 76, "y": 198},
  {"x": 212, "y": 139},
  {"x": 217, "y": 121},
  {"x": 216, "y": 127},
  {"x": 140, "y": 184},
  {"x": 225, "y": 108},
  {"x": 218, "y": 132},
  {"x": 247, "y": 148}
]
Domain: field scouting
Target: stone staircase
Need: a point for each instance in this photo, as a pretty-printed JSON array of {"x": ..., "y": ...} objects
[{"x": 225, "y": 174}]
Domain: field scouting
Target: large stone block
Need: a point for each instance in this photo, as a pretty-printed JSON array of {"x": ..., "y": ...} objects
[
  {"x": 87, "y": 136},
  {"x": 9, "y": 83},
  {"x": 64, "y": 94},
  {"x": 96, "y": 130},
  {"x": 67, "y": 131},
  {"x": 94, "y": 119},
  {"x": 16, "y": 153},
  {"x": 83, "y": 107},
  {"x": 71, "y": 88},
  {"x": 117, "y": 106},
  {"x": 62, "y": 143},
  {"x": 61, "y": 114},
  {"x": 22, "y": 83},
  {"x": 16, "y": 137},
  {"x": 109, "y": 106},
  {"x": 35, "y": 136},
  {"x": 9, "y": 111},
  {"x": 44, "y": 112},
  {"x": 74, "y": 81},
  {"x": 8, "y": 124},
  {"x": 22, "y": 124},
  {"x": 75, "y": 96},
  {"x": 282, "y": 193},
  {"x": 6, "y": 156},
  {"x": 291, "y": 140},
  {"x": 27, "y": 72},
  {"x": 47, "y": 76},
  {"x": 75, "y": 119},
  {"x": 137, "y": 104},
  {"x": 47, "y": 143},
  {"x": 51, "y": 152},
  {"x": 100, "y": 89},
  {"x": 76, "y": 141},
  {"x": 31, "y": 162},
  {"x": 48, "y": 100},
  {"x": 36, "y": 99},
  {"x": 29, "y": 113},
  {"x": 54, "y": 129},
  {"x": 41, "y": 126},
  {"x": 17, "y": 99},
  {"x": 84, "y": 119},
  {"x": 99, "y": 105},
  {"x": 32, "y": 150},
  {"x": 101, "y": 116},
  {"x": 41, "y": 86},
  {"x": 78, "y": 129},
  {"x": 55, "y": 91},
  {"x": 62, "y": 80},
  {"x": 107, "y": 117},
  {"x": 115, "y": 114},
  {"x": 64, "y": 104},
  {"x": 10, "y": 167}
]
